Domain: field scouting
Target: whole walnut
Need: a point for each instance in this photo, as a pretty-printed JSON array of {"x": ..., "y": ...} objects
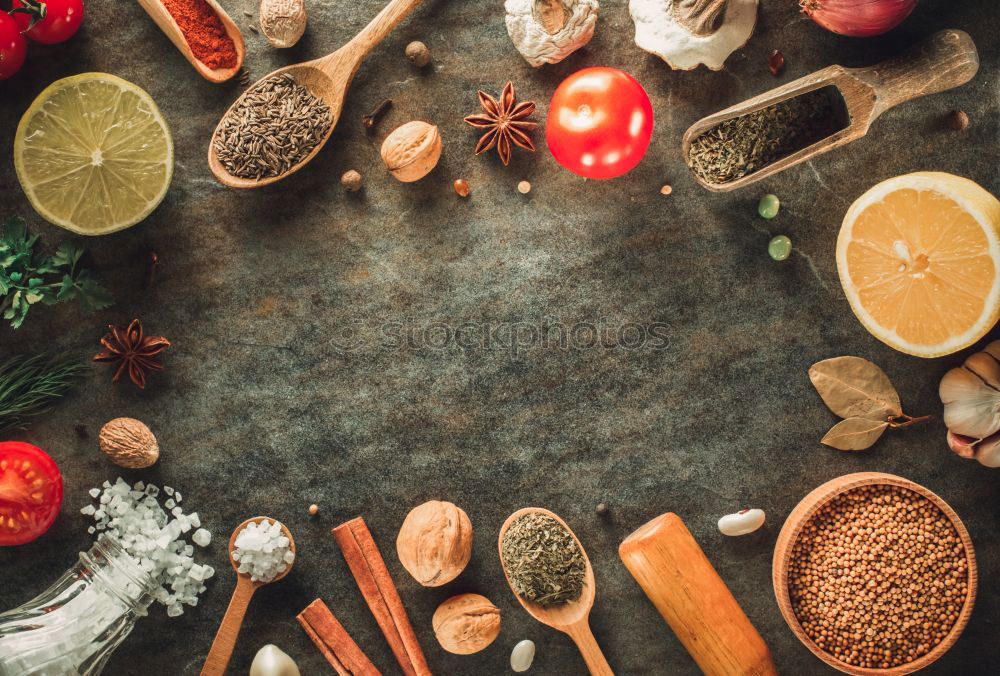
[
  {"x": 412, "y": 150},
  {"x": 129, "y": 443},
  {"x": 466, "y": 623},
  {"x": 435, "y": 543}
]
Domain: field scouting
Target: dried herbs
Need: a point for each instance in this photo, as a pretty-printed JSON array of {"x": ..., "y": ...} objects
[
  {"x": 29, "y": 383},
  {"x": 745, "y": 144},
  {"x": 543, "y": 560},
  {"x": 271, "y": 129},
  {"x": 861, "y": 393},
  {"x": 28, "y": 277}
]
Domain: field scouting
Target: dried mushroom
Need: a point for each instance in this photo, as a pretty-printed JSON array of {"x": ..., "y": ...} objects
[
  {"x": 435, "y": 543},
  {"x": 547, "y": 31},
  {"x": 466, "y": 623},
  {"x": 686, "y": 33}
]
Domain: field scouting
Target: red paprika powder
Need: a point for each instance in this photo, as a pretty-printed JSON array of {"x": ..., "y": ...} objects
[{"x": 204, "y": 32}]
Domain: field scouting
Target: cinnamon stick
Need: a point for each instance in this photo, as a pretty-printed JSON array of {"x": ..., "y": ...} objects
[
  {"x": 334, "y": 642},
  {"x": 368, "y": 567}
]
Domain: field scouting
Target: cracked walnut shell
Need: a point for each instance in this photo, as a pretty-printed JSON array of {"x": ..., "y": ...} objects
[
  {"x": 129, "y": 443},
  {"x": 435, "y": 543},
  {"x": 466, "y": 623}
]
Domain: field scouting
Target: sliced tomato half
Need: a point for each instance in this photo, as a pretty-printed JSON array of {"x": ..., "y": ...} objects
[{"x": 31, "y": 491}]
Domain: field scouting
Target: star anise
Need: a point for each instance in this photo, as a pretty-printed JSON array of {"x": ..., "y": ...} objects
[
  {"x": 135, "y": 352},
  {"x": 506, "y": 121}
]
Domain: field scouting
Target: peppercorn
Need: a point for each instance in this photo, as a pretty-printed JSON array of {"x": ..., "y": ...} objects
[
  {"x": 958, "y": 120},
  {"x": 351, "y": 180},
  {"x": 313, "y": 510},
  {"x": 418, "y": 54}
]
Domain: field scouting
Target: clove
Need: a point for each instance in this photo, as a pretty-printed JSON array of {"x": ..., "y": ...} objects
[
  {"x": 372, "y": 118},
  {"x": 152, "y": 260}
]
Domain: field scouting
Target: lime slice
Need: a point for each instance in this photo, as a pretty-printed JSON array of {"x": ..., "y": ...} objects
[{"x": 94, "y": 154}]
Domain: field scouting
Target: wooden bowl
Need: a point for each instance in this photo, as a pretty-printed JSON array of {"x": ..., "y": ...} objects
[{"x": 790, "y": 533}]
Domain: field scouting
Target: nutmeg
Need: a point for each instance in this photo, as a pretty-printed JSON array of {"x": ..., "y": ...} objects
[
  {"x": 466, "y": 623},
  {"x": 435, "y": 543},
  {"x": 129, "y": 443},
  {"x": 282, "y": 21},
  {"x": 411, "y": 151}
]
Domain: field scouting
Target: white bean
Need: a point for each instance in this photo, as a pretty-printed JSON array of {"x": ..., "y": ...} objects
[
  {"x": 742, "y": 522},
  {"x": 522, "y": 656}
]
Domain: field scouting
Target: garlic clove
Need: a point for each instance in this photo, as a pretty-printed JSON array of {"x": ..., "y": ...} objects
[
  {"x": 963, "y": 446},
  {"x": 986, "y": 367},
  {"x": 971, "y": 406},
  {"x": 993, "y": 349},
  {"x": 272, "y": 661},
  {"x": 988, "y": 451}
]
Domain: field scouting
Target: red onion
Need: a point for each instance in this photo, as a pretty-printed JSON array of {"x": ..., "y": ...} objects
[{"x": 858, "y": 18}]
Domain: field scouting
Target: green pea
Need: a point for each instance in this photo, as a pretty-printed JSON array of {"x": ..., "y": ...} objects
[
  {"x": 768, "y": 206},
  {"x": 779, "y": 248}
]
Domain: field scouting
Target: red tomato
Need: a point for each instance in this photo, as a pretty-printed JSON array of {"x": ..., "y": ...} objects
[
  {"x": 599, "y": 124},
  {"x": 13, "y": 46},
  {"x": 31, "y": 491},
  {"x": 62, "y": 19}
]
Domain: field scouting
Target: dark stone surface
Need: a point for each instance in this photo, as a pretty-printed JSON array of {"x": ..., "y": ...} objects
[{"x": 259, "y": 412}]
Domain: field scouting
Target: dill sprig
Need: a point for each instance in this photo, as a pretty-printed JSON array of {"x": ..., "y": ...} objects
[{"x": 28, "y": 384}]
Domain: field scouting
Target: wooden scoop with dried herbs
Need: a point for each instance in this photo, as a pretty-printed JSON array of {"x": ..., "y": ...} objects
[
  {"x": 543, "y": 560},
  {"x": 860, "y": 393}
]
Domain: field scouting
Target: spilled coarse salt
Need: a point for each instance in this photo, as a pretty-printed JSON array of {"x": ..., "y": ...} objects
[
  {"x": 262, "y": 551},
  {"x": 133, "y": 516}
]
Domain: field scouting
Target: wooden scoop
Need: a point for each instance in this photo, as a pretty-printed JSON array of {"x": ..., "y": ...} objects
[
  {"x": 326, "y": 78},
  {"x": 678, "y": 578},
  {"x": 946, "y": 59},
  {"x": 225, "y": 638},
  {"x": 158, "y": 13},
  {"x": 571, "y": 618}
]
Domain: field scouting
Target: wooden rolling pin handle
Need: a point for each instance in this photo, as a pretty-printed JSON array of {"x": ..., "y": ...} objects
[
  {"x": 591, "y": 651},
  {"x": 225, "y": 639},
  {"x": 678, "y": 578},
  {"x": 945, "y": 60}
]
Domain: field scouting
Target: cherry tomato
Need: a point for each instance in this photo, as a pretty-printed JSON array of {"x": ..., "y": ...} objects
[
  {"x": 62, "y": 19},
  {"x": 599, "y": 123},
  {"x": 13, "y": 46},
  {"x": 31, "y": 491}
]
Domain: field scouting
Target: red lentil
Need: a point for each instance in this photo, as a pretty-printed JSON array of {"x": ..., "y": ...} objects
[{"x": 878, "y": 576}]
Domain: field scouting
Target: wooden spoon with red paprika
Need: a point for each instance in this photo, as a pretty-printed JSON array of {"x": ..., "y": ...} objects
[{"x": 203, "y": 33}]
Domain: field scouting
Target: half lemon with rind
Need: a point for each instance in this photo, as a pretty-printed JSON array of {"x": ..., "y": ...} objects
[
  {"x": 94, "y": 154},
  {"x": 919, "y": 261}
]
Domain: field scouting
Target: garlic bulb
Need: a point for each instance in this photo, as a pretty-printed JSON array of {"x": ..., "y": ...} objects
[
  {"x": 971, "y": 394},
  {"x": 686, "y": 33},
  {"x": 547, "y": 31}
]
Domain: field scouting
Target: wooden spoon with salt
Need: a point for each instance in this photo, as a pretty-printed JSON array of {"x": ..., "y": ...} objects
[
  {"x": 571, "y": 618},
  {"x": 225, "y": 637},
  {"x": 158, "y": 13},
  {"x": 327, "y": 78}
]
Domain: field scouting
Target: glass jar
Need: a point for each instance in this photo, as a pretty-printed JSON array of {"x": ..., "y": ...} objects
[{"x": 75, "y": 625}]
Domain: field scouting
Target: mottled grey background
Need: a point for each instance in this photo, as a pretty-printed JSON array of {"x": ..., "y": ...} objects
[{"x": 260, "y": 413}]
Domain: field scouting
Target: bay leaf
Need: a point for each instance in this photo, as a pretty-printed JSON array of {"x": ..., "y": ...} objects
[
  {"x": 854, "y": 434},
  {"x": 855, "y": 388}
]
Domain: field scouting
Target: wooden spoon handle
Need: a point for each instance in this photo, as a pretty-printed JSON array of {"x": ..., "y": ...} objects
[
  {"x": 591, "y": 651},
  {"x": 225, "y": 638},
  {"x": 381, "y": 26},
  {"x": 944, "y": 60}
]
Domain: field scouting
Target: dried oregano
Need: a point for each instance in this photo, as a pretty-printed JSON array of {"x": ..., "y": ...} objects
[
  {"x": 543, "y": 560},
  {"x": 861, "y": 393}
]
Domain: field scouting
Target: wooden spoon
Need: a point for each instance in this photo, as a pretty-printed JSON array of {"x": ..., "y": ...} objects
[
  {"x": 570, "y": 618},
  {"x": 946, "y": 59},
  {"x": 225, "y": 638},
  {"x": 163, "y": 19},
  {"x": 326, "y": 78}
]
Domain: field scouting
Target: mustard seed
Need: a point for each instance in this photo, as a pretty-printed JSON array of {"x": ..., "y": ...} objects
[{"x": 878, "y": 576}]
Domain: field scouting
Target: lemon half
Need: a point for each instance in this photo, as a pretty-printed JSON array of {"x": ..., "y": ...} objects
[{"x": 94, "y": 154}]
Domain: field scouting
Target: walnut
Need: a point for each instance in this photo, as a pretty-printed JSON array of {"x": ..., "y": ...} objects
[
  {"x": 129, "y": 443},
  {"x": 282, "y": 21},
  {"x": 411, "y": 151},
  {"x": 466, "y": 623},
  {"x": 435, "y": 543}
]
